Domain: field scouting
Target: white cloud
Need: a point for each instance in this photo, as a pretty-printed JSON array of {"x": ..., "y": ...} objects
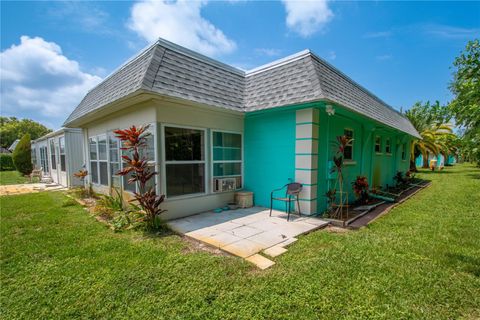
[
  {"x": 307, "y": 17},
  {"x": 332, "y": 55},
  {"x": 451, "y": 32},
  {"x": 86, "y": 15},
  {"x": 270, "y": 52},
  {"x": 40, "y": 83},
  {"x": 180, "y": 22},
  {"x": 384, "y": 57},
  {"x": 378, "y": 34}
]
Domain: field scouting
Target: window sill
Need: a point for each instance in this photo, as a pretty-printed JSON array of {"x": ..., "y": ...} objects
[
  {"x": 187, "y": 196},
  {"x": 197, "y": 195},
  {"x": 349, "y": 162},
  {"x": 378, "y": 153},
  {"x": 388, "y": 154}
]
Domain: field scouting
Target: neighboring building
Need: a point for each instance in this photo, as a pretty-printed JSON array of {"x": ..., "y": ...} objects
[
  {"x": 4, "y": 150},
  {"x": 60, "y": 154},
  {"x": 14, "y": 145},
  {"x": 441, "y": 161},
  {"x": 215, "y": 127}
]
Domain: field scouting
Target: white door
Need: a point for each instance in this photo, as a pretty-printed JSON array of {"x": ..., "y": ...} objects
[
  {"x": 53, "y": 160},
  {"x": 62, "y": 177}
]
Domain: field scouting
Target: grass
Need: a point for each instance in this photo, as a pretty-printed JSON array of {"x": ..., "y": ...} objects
[
  {"x": 12, "y": 177},
  {"x": 422, "y": 260}
]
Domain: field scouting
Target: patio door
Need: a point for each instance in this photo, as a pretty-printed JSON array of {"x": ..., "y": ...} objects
[
  {"x": 54, "y": 169},
  {"x": 62, "y": 161},
  {"x": 44, "y": 160}
]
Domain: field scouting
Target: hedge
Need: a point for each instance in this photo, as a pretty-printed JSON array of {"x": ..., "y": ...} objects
[{"x": 6, "y": 162}]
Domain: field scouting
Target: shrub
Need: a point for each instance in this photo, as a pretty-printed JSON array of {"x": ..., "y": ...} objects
[
  {"x": 133, "y": 140},
  {"x": 22, "y": 155},
  {"x": 360, "y": 187},
  {"x": 6, "y": 162}
]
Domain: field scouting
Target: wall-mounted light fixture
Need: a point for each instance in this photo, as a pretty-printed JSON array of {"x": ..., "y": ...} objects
[{"x": 329, "y": 110}]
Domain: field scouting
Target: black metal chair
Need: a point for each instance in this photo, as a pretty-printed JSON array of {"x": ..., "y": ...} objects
[{"x": 291, "y": 195}]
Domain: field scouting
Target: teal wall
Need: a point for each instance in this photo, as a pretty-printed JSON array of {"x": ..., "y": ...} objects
[
  {"x": 269, "y": 141},
  {"x": 269, "y": 154},
  {"x": 379, "y": 168}
]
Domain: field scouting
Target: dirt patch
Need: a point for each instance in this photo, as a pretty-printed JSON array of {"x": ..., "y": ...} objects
[{"x": 334, "y": 229}]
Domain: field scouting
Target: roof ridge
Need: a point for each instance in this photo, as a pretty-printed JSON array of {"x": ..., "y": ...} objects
[
  {"x": 278, "y": 62},
  {"x": 198, "y": 56}
]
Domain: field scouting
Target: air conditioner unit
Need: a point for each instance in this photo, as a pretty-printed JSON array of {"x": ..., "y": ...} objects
[{"x": 224, "y": 184}]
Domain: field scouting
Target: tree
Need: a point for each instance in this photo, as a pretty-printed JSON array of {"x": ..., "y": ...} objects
[
  {"x": 12, "y": 129},
  {"x": 431, "y": 122},
  {"x": 22, "y": 155},
  {"x": 465, "y": 107}
]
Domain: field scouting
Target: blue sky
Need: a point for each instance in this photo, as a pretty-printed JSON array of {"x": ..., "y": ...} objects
[{"x": 53, "y": 52}]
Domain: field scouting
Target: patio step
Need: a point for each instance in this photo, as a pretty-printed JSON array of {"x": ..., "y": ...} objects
[
  {"x": 260, "y": 261},
  {"x": 275, "y": 251}
]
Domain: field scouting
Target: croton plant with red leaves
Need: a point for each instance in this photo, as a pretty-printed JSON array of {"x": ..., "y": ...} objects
[
  {"x": 133, "y": 140},
  {"x": 360, "y": 187}
]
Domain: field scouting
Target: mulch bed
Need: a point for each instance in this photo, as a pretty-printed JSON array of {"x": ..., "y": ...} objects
[{"x": 383, "y": 208}]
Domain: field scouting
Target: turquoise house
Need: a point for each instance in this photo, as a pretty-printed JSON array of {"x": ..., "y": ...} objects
[
  {"x": 441, "y": 160},
  {"x": 216, "y": 129}
]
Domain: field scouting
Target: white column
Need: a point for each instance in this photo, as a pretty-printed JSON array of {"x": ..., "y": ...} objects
[{"x": 306, "y": 158}]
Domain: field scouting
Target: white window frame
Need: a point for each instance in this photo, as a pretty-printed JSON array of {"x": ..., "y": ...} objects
[
  {"x": 165, "y": 162},
  {"x": 53, "y": 154},
  {"x": 352, "y": 160},
  {"x": 97, "y": 161},
  {"x": 60, "y": 139},
  {"x": 119, "y": 154},
  {"x": 375, "y": 144},
  {"x": 241, "y": 161},
  {"x": 388, "y": 143}
]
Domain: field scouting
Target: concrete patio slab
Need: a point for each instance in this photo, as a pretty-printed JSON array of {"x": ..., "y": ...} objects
[
  {"x": 243, "y": 248},
  {"x": 14, "y": 189},
  {"x": 260, "y": 261},
  {"x": 246, "y": 232},
  {"x": 287, "y": 242},
  {"x": 275, "y": 251}
]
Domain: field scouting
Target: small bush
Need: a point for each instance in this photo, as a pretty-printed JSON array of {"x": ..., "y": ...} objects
[
  {"x": 22, "y": 155},
  {"x": 68, "y": 202},
  {"x": 6, "y": 162}
]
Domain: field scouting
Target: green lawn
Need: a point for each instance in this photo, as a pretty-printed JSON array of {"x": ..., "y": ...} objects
[
  {"x": 422, "y": 260},
  {"x": 12, "y": 177}
]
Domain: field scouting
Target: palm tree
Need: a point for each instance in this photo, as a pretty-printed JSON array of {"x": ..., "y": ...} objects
[{"x": 431, "y": 122}]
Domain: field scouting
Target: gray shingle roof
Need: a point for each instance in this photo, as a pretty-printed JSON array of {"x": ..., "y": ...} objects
[{"x": 168, "y": 69}]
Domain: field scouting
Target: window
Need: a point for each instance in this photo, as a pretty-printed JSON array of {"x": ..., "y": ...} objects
[
  {"x": 388, "y": 146},
  {"x": 227, "y": 156},
  {"x": 34, "y": 155},
  {"x": 102, "y": 160},
  {"x": 98, "y": 159},
  {"x": 52, "y": 155},
  {"x": 348, "y": 151},
  {"x": 63, "y": 164},
  {"x": 404, "y": 151},
  {"x": 184, "y": 161},
  {"x": 378, "y": 144},
  {"x": 114, "y": 150},
  {"x": 92, "y": 145}
]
